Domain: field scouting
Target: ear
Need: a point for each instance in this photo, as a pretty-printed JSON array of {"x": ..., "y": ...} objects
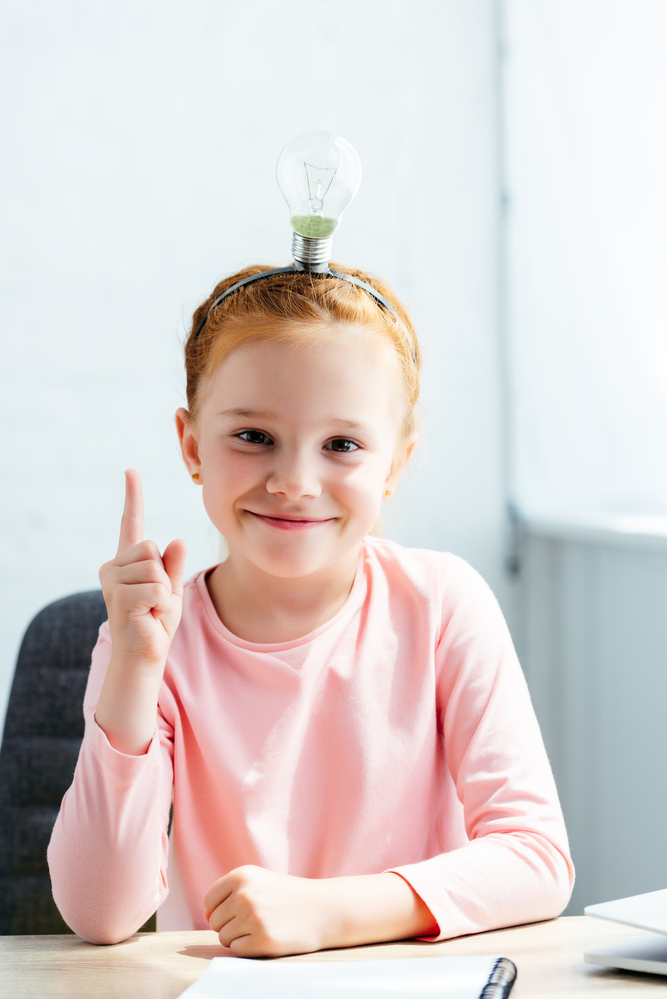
[
  {"x": 189, "y": 447},
  {"x": 401, "y": 459}
]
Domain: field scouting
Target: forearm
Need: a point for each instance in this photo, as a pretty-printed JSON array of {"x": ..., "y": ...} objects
[
  {"x": 259, "y": 913},
  {"x": 107, "y": 855},
  {"x": 373, "y": 908},
  {"x": 127, "y": 708},
  {"x": 497, "y": 880}
]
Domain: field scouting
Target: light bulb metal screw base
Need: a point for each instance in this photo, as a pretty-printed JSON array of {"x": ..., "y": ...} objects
[{"x": 311, "y": 254}]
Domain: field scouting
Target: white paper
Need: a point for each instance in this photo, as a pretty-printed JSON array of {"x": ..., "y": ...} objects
[{"x": 245, "y": 978}]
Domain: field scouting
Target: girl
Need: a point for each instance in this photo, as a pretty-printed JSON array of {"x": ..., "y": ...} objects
[{"x": 342, "y": 724}]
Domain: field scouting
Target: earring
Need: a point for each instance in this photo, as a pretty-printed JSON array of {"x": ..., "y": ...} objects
[
  {"x": 195, "y": 476},
  {"x": 387, "y": 492}
]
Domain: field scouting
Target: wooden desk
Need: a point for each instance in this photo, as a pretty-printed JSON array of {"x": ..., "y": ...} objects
[{"x": 549, "y": 957}]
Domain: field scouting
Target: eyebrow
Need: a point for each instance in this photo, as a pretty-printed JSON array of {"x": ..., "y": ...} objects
[
  {"x": 249, "y": 414},
  {"x": 259, "y": 414},
  {"x": 354, "y": 425}
]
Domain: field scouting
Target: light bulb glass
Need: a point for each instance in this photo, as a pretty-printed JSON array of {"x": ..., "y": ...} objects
[{"x": 319, "y": 173}]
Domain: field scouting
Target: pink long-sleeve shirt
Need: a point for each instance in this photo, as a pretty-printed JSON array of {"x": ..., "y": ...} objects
[{"x": 399, "y": 736}]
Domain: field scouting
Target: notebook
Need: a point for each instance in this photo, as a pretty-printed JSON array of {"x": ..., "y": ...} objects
[
  {"x": 486, "y": 977},
  {"x": 647, "y": 953}
]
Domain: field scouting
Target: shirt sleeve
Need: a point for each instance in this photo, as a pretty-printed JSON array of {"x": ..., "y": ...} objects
[
  {"x": 516, "y": 867},
  {"x": 108, "y": 851}
]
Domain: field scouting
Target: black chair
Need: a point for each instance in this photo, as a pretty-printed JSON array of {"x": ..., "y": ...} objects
[{"x": 43, "y": 732}]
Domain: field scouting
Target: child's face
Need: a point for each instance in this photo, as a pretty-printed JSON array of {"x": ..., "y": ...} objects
[{"x": 295, "y": 447}]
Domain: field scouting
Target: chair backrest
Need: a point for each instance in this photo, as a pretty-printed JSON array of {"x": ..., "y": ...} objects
[{"x": 42, "y": 736}]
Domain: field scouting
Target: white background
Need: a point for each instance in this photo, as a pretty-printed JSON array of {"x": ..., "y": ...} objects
[
  {"x": 586, "y": 140},
  {"x": 141, "y": 141}
]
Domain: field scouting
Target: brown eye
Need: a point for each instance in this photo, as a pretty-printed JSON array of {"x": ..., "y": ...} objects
[
  {"x": 342, "y": 444},
  {"x": 254, "y": 437}
]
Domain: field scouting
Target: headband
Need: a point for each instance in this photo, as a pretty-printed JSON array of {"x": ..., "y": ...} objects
[{"x": 292, "y": 269}]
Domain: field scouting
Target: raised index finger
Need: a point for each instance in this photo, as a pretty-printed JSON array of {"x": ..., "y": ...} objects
[{"x": 132, "y": 521}]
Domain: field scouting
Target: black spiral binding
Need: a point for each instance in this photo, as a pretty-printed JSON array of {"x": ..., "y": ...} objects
[{"x": 501, "y": 980}]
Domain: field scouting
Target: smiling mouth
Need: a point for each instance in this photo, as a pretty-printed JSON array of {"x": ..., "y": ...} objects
[{"x": 289, "y": 523}]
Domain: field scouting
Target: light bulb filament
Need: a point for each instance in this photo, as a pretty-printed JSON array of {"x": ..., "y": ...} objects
[{"x": 319, "y": 180}]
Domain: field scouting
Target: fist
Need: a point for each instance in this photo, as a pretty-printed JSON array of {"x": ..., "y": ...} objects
[{"x": 258, "y": 913}]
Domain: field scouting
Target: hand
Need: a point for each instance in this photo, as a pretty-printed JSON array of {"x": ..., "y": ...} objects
[
  {"x": 258, "y": 913},
  {"x": 144, "y": 594},
  {"x": 143, "y": 591}
]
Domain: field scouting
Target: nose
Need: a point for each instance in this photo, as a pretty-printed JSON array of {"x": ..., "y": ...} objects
[{"x": 294, "y": 475}]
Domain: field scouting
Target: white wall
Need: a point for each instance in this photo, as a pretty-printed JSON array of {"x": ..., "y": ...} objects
[
  {"x": 142, "y": 139},
  {"x": 594, "y": 647},
  {"x": 586, "y": 165}
]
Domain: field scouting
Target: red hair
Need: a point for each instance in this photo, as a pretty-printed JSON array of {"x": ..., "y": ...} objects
[{"x": 300, "y": 307}]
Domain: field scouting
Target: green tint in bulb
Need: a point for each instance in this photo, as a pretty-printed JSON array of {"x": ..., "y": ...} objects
[
  {"x": 314, "y": 226},
  {"x": 319, "y": 173}
]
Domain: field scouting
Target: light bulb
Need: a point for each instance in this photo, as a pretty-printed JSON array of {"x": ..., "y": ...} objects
[{"x": 319, "y": 173}]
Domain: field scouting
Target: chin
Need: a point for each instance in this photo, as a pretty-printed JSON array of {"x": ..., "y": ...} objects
[
  {"x": 292, "y": 561},
  {"x": 286, "y": 568}
]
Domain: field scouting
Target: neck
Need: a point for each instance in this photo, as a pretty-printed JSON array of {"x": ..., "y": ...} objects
[{"x": 266, "y": 609}]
